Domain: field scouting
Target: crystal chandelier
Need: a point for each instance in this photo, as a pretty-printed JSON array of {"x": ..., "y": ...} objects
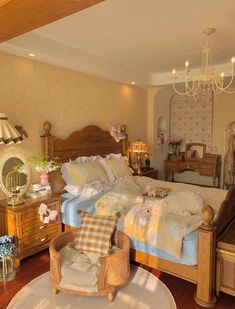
[{"x": 208, "y": 81}]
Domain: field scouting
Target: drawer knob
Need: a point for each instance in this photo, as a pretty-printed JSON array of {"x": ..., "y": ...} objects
[
  {"x": 44, "y": 239},
  {"x": 42, "y": 227}
]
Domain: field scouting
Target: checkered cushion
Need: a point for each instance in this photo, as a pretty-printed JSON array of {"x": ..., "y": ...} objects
[{"x": 95, "y": 233}]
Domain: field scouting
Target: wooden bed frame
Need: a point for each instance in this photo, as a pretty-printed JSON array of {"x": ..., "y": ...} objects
[{"x": 94, "y": 141}]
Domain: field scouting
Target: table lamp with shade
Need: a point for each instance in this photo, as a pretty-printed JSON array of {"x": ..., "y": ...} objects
[{"x": 139, "y": 148}]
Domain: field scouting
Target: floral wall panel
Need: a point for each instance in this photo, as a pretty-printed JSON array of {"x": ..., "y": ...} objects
[{"x": 191, "y": 119}]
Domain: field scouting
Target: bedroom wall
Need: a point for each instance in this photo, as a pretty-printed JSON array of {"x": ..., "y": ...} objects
[
  {"x": 223, "y": 114},
  {"x": 32, "y": 92}
]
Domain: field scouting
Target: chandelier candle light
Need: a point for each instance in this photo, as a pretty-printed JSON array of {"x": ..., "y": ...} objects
[{"x": 208, "y": 81}]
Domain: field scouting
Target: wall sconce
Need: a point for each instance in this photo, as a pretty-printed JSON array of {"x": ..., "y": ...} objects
[
  {"x": 139, "y": 148},
  {"x": 8, "y": 134},
  {"x": 13, "y": 169}
]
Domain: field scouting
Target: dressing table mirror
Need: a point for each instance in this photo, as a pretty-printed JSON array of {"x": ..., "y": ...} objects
[{"x": 14, "y": 177}]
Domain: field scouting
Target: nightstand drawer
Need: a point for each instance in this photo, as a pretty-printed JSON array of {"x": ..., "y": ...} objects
[
  {"x": 23, "y": 222},
  {"x": 38, "y": 239},
  {"x": 31, "y": 217},
  {"x": 36, "y": 227}
]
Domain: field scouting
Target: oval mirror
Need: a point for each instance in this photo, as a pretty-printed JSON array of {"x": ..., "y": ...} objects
[{"x": 14, "y": 177}]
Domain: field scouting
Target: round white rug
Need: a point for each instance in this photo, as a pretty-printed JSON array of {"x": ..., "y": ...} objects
[{"x": 144, "y": 291}]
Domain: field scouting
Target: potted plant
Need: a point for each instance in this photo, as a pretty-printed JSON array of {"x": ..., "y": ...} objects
[
  {"x": 7, "y": 250},
  {"x": 44, "y": 165},
  {"x": 174, "y": 145}
]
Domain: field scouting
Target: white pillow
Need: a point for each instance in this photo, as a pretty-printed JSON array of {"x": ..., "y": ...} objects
[
  {"x": 108, "y": 171},
  {"x": 87, "y": 159},
  {"x": 114, "y": 155},
  {"x": 119, "y": 167},
  {"x": 90, "y": 189},
  {"x": 79, "y": 174}
]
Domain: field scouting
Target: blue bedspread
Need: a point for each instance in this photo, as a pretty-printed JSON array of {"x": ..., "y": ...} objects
[{"x": 71, "y": 203}]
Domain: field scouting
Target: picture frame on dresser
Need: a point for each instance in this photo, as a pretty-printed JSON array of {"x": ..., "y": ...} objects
[{"x": 195, "y": 151}]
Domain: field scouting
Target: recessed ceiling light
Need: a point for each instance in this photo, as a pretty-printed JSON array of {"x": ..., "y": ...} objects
[
  {"x": 133, "y": 83},
  {"x": 32, "y": 55}
]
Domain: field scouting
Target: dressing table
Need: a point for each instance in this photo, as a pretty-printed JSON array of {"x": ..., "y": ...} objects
[{"x": 194, "y": 159}]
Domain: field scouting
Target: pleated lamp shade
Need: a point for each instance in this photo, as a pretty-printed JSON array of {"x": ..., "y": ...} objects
[
  {"x": 139, "y": 147},
  {"x": 8, "y": 134}
]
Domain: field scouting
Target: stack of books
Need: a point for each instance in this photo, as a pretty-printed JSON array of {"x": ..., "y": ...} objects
[{"x": 37, "y": 189}]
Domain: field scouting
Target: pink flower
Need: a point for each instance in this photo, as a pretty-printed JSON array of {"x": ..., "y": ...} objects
[{"x": 174, "y": 140}]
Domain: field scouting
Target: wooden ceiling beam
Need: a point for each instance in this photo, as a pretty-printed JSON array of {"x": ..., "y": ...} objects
[{"x": 21, "y": 16}]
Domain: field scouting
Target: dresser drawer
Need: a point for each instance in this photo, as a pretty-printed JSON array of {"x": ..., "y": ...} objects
[
  {"x": 194, "y": 166},
  {"x": 38, "y": 239},
  {"x": 31, "y": 217},
  {"x": 35, "y": 227},
  {"x": 207, "y": 170}
]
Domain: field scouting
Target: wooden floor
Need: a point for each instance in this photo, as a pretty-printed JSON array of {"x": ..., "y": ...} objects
[{"x": 38, "y": 264}]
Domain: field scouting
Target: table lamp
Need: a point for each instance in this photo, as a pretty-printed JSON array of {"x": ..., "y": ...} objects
[{"x": 139, "y": 148}]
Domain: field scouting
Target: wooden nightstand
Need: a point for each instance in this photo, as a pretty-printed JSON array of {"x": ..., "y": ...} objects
[
  {"x": 23, "y": 222},
  {"x": 151, "y": 172},
  {"x": 225, "y": 268}
]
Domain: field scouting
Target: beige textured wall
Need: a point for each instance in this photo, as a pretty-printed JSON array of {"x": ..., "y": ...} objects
[{"x": 32, "y": 92}]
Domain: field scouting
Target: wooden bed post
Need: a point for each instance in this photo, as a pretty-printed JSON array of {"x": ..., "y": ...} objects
[
  {"x": 205, "y": 294},
  {"x": 125, "y": 141},
  {"x": 47, "y": 140}
]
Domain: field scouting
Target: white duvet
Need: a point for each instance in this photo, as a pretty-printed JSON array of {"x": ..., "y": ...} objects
[{"x": 160, "y": 222}]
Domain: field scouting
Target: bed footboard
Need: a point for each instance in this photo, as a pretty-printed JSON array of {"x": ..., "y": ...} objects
[{"x": 205, "y": 294}]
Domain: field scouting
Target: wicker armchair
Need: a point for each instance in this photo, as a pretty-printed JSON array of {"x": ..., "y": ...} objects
[{"x": 113, "y": 272}]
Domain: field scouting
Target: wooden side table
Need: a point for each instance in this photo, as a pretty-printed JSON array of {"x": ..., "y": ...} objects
[
  {"x": 23, "y": 222},
  {"x": 225, "y": 266}
]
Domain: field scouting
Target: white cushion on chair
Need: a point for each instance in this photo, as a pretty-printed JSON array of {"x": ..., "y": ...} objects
[
  {"x": 79, "y": 272},
  {"x": 69, "y": 254}
]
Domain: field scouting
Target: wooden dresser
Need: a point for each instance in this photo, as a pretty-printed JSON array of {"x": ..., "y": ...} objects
[
  {"x": 23, "y": 222},
  {"x": 210, "y": 166},
  {"x": 225, "y": 268}
]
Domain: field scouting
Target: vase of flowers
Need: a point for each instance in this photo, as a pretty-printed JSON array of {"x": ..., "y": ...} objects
[
  {"x": 174, "y": 145},
  {"x": 43, "y": 165},
  {"x": 7, "y": 251}
]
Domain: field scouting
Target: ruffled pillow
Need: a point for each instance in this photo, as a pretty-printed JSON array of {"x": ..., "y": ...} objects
[
  {"x": 119, "y": 167},
  {"x": 78, "y": 174}
]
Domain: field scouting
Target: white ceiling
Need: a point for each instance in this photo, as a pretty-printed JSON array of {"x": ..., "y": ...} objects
[{"x": 133, "y": 40}]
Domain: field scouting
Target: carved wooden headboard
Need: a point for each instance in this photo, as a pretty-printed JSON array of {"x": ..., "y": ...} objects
[{"x": 89, "y": 141}]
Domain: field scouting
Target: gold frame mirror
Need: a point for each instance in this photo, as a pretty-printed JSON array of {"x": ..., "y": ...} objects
[
  {"x": 195, "y": 151},
  {"x": 14, "y": 177}
]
